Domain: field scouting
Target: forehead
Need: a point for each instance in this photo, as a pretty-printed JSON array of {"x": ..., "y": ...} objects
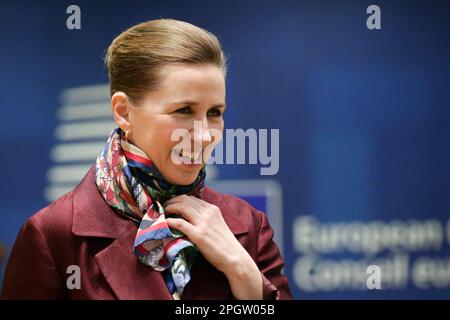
[{"x": 194, "y": 81}]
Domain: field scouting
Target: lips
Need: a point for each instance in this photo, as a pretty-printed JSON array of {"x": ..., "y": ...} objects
[{"x": 187, "y": 157}]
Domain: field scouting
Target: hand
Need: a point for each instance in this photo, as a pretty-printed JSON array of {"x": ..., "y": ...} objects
[{"x": 206, "y": 228}]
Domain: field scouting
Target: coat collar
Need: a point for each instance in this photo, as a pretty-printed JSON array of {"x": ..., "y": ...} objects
[{"x": 126, "y": 275}]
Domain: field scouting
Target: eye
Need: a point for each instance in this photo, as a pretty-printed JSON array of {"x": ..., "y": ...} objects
[
  {"x": 184, "y": 110},
  {"x": 215, "y": 112}
]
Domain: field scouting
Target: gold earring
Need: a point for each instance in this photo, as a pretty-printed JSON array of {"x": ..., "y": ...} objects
[{"x": 126, "y": 135}]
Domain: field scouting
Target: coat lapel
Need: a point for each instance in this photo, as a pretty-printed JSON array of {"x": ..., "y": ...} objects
[{"x": 125, "y": 274}]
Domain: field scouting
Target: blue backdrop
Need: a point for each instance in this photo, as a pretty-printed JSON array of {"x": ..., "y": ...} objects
[{"x": 363, "y": 118}]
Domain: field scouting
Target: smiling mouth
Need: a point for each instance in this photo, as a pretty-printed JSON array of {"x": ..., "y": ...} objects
[{"x": 186, "y": 157}]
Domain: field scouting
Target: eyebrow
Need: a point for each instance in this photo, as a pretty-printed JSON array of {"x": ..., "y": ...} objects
[{"x": 193, "y": 103}]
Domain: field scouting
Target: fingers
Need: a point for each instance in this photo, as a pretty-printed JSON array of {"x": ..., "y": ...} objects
[
  {"x": 188, "y": 200},
  {"x": 183, "y": 226},
  {"x": 187, "y": 212}
]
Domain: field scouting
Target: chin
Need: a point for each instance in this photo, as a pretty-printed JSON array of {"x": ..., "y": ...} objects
[{"x": 183, "y": 179}]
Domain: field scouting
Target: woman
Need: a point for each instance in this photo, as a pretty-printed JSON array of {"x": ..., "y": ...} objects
[{"x": 142, "y": 224}]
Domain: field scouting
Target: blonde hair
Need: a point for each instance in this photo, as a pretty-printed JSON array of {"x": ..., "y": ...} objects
[{"x": 135, "y": 57}]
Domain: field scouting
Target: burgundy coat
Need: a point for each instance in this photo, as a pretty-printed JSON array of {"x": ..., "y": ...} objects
[{"x": 81, "y": 229}]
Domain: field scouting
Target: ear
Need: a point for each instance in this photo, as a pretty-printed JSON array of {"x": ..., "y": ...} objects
[{"x": 121, "y": 108}]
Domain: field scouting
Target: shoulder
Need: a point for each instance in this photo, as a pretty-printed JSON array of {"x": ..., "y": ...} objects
[
  {"x": 54, "y": 218},
  {"x": 81, "y": 211},
  {"x": 56, "y": 215}
]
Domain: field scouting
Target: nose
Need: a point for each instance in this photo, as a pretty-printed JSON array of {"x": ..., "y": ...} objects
[{"x": 202, "y": 134}]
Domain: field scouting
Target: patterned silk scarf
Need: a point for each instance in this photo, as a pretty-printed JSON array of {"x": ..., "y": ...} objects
[{"x": 132, "y": 185}]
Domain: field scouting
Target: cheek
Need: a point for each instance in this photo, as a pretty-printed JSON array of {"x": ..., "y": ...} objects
[
  {"x": 218, "y": 124},
  {"x": 162, "y": 142},
  {"x": 217, "y": 131},
  {"x": 149, "y": 140}
]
